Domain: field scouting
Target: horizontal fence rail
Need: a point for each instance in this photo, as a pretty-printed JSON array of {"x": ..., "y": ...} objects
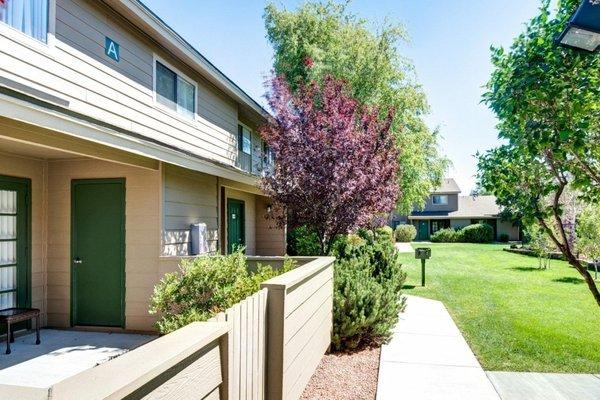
[{"x": 265, "y": 347}]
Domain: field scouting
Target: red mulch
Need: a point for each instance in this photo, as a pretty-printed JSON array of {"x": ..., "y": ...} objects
[{"x": 345, "y": 376}]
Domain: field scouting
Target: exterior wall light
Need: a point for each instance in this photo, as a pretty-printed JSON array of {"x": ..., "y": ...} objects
[
  {"x": 583, "y": 30},
  {"x": 269, "y": 208}
]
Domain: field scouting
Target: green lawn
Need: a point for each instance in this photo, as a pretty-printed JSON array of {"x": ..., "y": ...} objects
[{"x": 514, "y": 316}]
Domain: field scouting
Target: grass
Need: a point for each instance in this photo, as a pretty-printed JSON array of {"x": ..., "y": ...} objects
[{"x": 514, "y": 316}]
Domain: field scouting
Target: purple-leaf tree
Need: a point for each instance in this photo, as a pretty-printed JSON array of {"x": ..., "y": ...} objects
[{"x": 336, "y": 161}]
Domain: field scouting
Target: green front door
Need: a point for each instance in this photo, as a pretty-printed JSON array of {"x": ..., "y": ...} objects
[
  {"x": 15, "y": 238},
  {"x": 423, "y": 230},
  {"x": 235, "y": 225},
  {"x": 98, "y": 252}
]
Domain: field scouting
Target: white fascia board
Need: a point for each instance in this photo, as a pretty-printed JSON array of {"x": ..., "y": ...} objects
[{"x": 45, "y": 118}]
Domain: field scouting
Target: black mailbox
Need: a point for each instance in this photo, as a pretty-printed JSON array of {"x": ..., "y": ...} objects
[{"x": 422, "y": 253}]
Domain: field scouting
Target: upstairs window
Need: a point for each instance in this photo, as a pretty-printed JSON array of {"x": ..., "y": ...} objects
[
  {"x": 175, "y": 92},
  {"x": 245, "y": 148},
  {"x": 268, "y": 158},
  {"x": 28, "y": 16},
  {"x": 439, "y": 199}
]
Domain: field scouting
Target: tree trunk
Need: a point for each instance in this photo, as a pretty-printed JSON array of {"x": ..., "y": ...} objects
[
  {"x": 565, "y": 249},
  {"x": 586, "y": 275}
]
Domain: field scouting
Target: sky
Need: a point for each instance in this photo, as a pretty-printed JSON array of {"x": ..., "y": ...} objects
[{"x": 449, "y": 46}]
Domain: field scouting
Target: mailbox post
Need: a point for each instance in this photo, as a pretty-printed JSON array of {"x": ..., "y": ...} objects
[{"x": 422, "y": 253}]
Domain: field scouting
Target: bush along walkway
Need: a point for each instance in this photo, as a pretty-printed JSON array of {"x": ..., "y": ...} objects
[{"x": 428, "y": 358}]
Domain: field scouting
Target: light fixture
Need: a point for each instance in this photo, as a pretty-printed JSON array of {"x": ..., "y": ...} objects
[
  {"x": 583, "y": 30},
  {"x": 269, "y": 208}
]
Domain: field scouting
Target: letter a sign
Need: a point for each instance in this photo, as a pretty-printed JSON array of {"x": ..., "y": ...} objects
[{"x": 111, "y": 49}]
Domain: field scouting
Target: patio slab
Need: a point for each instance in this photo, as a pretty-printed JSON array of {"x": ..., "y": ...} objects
[
  {"x": 545, "y": 386},
  {"x": 428, "y": 358},
  {"x": 61, "y": 354}
]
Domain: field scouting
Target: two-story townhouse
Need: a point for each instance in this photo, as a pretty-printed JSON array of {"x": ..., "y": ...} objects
[
  {"x": 446, "y": 208},
  {"x": 116, "y": 136}
]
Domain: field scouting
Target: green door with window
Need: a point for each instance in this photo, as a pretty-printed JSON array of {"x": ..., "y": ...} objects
[
  {"x": 235, "y": 225},
  {"x": 98, "y": 252},
  {"x": 15, "y": 239},
  {"x": 423, "y": 231}
]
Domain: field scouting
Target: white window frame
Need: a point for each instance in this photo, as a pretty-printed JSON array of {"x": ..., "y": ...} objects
[
  {"x": 251, "y": 154},
  {"x": 48, "y": 47},
  {"x": 191, "y": 81},
  {"x": 442, "y": 197}
]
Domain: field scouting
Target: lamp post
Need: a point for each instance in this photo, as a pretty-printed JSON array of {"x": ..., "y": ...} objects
[{"x": 583, "y": 30}]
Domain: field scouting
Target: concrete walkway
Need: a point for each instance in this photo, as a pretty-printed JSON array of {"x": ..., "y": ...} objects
[
  {"x": 428, "y": 358},
  {"x": 404, "y": 247},
  {"x": 543, "y": 386}
]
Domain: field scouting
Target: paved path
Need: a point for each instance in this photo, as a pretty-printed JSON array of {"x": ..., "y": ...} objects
[
  {"x": 404, "y": 248},
  {"x": 428, "y": 358},
  {"x": 542, "y": 386}
]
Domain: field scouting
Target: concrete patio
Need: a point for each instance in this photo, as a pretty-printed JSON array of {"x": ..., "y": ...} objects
[{"x": 61, "y": 354}]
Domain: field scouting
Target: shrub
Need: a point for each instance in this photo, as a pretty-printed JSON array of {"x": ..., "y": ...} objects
[
  {"x": 405, "y": 233},
  {"x": 385, "y": 233},
  {"x": 367, "y": 290},
  {"x": 478, "y": 233},
  {"x": 446, "y": 235},
  {"x": 504, "y": 237},
  {"x": 205, "y": 286},
  {"x": 302, "y": 241}
]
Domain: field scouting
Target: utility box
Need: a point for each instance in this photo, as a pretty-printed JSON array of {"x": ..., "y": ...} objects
[
  {"x": 423, "y": 253},
  {"x": 198, "y": 239}
]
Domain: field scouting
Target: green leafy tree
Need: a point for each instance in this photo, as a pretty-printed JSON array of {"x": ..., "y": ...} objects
[
  {"x": 323, "y": 38},
  {"x": 540, "y": 244},
  {"x": 588, "y": 232},
  {"x": 547, "y": 101}
]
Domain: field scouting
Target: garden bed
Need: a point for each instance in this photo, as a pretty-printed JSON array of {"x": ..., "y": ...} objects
[
  {"x": 345, "y": 376},
  {"x": 555, "y": 255}
]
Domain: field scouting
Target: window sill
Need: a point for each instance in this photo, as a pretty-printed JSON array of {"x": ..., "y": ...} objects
[{"x": 46, "y": 48}]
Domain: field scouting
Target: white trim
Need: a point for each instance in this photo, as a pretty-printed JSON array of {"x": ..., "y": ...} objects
[
  {"x": 35, "y": 115},
  {"x": 242, "y": 144},
  {"x": 156, "y": 58},
  {"x": 46, "y": 48}
]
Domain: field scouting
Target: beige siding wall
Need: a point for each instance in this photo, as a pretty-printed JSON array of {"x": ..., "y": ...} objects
[
  {"x": 142, "y": 240},
  {"x": 36, "y": 170},
  {"x": 188, "y": 197},
  {"x": 509, "y": 229},
  {"x": 74, "y": 67},
  {"x": 270, "y": 240},
  {"x": 249, "y": 200},
  {"x": 451, "y": 206}
]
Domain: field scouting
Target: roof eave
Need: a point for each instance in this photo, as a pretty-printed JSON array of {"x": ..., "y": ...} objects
[{"x": 152, "y": 25}]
